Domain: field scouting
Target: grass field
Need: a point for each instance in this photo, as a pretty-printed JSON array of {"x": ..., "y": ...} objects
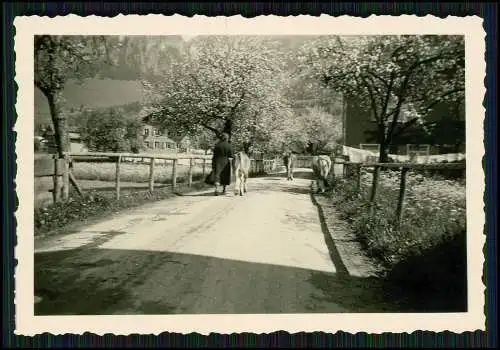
[
  {"x": 133, "y": 176},
  {"x": 134, "y": 172},
  {"x": 101, "y": 177}
]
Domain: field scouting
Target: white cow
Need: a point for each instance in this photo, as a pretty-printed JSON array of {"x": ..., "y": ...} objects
[
  {"x": 241, "y": 167},
  {"x": 321, "y": 166}
]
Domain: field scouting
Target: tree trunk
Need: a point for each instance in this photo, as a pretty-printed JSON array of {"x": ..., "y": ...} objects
[
  {"x": 61, "y": 139},
  {"x": 60, "y": 125},
  {"x": 228, "y": 128},
  {"x": 383, "y": 156}
]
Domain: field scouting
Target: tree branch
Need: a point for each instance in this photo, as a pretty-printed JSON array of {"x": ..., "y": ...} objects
[
  {"x": 378, "y": 93},
  {"x": 415, "y": 65},
  {"x": 373, "y": 102},
  {"x": 405, "y": 126},
  {"x": 387, "y": 97},
  {"x": 217, "y": 132},
  {"x": 235, "y": 106},
  {"x": 42, "y": 88},
  {"x": 379, "y": 78},
  {"x": 401, "y": 95},
  {"x": 439, "y": 99},
  {"x": 396, "y": 51}
]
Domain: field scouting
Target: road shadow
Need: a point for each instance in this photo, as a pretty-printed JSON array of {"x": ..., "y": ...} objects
[
  {"x": 97, "y": 281},
  {"x": 436, "y": 276},
  {"x": 303, "y": 175},
  {"x": 332, "y": 248},
  {"x": 285, "y": 187},
  {"x": 209, "y": 193},
  {"x": 296, "y": 190}
]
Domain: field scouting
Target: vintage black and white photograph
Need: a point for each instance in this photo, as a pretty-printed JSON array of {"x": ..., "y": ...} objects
[{"x": 219, "y": 173}]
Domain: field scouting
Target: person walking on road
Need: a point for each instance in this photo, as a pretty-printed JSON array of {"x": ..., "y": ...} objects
[{"x": 221, "y": 163}]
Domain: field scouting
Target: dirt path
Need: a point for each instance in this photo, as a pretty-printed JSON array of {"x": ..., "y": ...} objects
[{"x": 266, "y": 252}]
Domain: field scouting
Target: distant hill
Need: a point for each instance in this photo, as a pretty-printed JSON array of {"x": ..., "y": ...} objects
[
  {"x": 102, "y": 93},
  {"x": 94, "y": 93}
]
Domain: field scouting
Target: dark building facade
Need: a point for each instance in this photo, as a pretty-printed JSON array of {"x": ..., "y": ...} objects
[{"x": 443, "y": 129}]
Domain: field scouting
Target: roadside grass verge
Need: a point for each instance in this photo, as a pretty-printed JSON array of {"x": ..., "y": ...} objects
[
  {"x": 424, "y": 258},
  {"x": 98, "y": 180},
  {"x": 99, "y": 203}
]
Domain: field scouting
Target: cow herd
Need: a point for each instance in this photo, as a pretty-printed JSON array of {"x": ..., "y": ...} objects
[{"x": 321, "y": 166}]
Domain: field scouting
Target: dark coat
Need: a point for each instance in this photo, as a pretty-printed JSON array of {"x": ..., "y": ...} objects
[{"x": 221, "y": 166}]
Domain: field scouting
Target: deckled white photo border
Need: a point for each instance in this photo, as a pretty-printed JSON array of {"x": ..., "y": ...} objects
[{"x": 28, "y": 26}]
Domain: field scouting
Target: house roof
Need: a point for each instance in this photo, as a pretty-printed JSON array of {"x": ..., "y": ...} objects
[
  {"x": 160, "y": 138},
  {"x": 180, "y": 138},
  {"x": 148, "y": 118}
]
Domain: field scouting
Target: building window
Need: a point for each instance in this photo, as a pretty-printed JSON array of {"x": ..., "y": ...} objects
[
  {"x": 157, "y": 145},
  {"x": 147, "y": 144},
  {"x": 146, "y": 132}
]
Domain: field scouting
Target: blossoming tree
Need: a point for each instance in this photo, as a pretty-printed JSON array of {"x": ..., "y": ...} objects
[
  {"x": 398, "y": 78},
  {"x": 223, "y": 84}
]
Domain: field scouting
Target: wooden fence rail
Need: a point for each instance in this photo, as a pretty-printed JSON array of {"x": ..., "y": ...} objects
[
  {"x": 258, "y": 166},
  {"x": 404, "y": 169},
  {"x": 59, "y": 170}
]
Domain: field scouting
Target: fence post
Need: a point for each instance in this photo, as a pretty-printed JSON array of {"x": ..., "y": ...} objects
[
  {"x": 66, "y": 178},
  {"x": 152, "y": 174},
  {"x": 117, "y": 179},
  {"x": 204, "y": 167},
  {"x": 402, "y": 190},
  {"x": 55, "y": 193},
  {"x": 190, "y": 172},
  {"x": 174, "y": 173},
  {"x": 332, "y": 169},
  {"x": 344, "y": 168},
  {"x": 358, "y": 177},
  {"x": 373, "y": 194}
]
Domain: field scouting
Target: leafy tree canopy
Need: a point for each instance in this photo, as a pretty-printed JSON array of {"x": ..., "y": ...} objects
[
  {"x": 232, "y": 84},
  {"x": 108, "y": 131},
  {"x": 398, "y": 78}
]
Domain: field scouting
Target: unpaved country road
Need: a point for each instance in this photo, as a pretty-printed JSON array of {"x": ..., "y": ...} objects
[{"x": 265, "y": 252}]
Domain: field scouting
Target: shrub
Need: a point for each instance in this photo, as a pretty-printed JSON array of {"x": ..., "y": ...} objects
[{"x": 423, "y": 249}]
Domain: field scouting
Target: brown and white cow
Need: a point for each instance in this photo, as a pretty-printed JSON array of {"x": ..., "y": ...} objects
[
  {"x": 321, "y": 166},
  {"x": 289, "y": 159},
  {"x": 241, "y": 168}
]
